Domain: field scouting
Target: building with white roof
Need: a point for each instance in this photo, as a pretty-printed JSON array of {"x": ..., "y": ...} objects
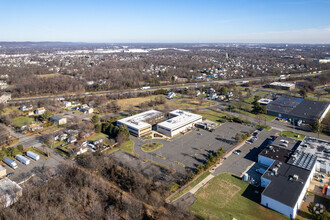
[
  {"x": 282, "y": 86},
  {"x": 318, "y": 148},
  {"x": 179, "y": 121},
  {"x": 141, "y": 124}
]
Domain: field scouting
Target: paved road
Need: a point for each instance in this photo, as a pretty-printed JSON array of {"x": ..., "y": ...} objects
[
  {"x": 135, "y": 91},
  {"x": 192, "y": 148}
]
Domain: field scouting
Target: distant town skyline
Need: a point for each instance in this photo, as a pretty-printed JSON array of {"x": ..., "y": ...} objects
[{"x": 147, "y": 21}]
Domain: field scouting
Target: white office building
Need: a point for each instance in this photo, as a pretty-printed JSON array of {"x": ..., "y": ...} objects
[
  {"x": 141, "y": 124},
  {"x": 180, "y": 121}
]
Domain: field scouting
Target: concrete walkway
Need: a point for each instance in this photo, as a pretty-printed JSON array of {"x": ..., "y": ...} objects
[{"x": 201, "y": 184}]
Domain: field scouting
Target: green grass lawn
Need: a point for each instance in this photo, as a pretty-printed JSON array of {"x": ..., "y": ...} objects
[
  {"x": 294, "y": 135},
  {"x": 180, "y": 164},
  {"x": 228, "y": 197},
  {"x": 97, "y": 136},
  {"x": 128, "y": 147},
  {"x": 189, "y": 187},
  {"x": 212, "y": 115},
  {"x": 268, "y": 128},
  {"x": 20, "y": 121},
  {"x": 37, "y": 151},
  {"x": 150, "y": 147},
  {"x": 262, "y": 116},
  {"x": 57, "y": 143},
  {"x": 173, "y": 187}
]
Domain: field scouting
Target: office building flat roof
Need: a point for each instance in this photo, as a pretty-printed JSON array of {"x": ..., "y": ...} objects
[
  {"x": 138, "y": 121},
  {"x": 181, "y": 118},
  {"x": 283, "y": 187}
]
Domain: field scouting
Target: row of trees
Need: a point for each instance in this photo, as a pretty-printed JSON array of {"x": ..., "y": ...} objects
[{"x": 10, "y": 151}]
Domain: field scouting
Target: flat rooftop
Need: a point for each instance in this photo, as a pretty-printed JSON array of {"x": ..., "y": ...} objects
[
  {"x": 286, "y": 142},
  {"x": 317, "y": 147},
  {"x": 180, "y": 119},
  {"x": 284, "y": 104},
  {"x": 265, "y": 101},
  {"x": 283, "y": 187},
  {"x": 298, "y": 107},
  {"x": 276, "y": 153},
  {"x": 7, "y": 186},
  {"x": 138, "y": 121},
  {"x": 282, "y": 84}
]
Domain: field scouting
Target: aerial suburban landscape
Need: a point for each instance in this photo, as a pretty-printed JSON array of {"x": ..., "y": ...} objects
[{"x": 96, "y": 128}]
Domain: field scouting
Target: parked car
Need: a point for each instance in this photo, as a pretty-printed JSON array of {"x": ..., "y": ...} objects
[
  {"x": 199, "y": 133},
  {"x": 237, "y": 152},
  {"x": 260, "y": 129},
  {"x": 255, "y": 133}
]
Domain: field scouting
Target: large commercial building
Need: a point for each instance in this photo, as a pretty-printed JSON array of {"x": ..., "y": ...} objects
[
  {"x": 285, "y": 186},
  {"x": 141, "y": 124},
  {"x": 298, "y": 109},
  {"x": 319, "y": 148},
  {"x": 180, "y": 121},
  {"x": 282, "y": 86},
  {"x": 291, "y": 166}
]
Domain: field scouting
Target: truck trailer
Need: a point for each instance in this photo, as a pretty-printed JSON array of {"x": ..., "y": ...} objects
[
  {"x": 10, "y": 163},
  {"x": 22, "y": 159},
  {"x": 34, "y": 156}
]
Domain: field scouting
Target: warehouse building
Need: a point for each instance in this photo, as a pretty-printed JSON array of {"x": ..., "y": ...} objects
[
  {"x": 297, "y": 109},
  {"x": 282, "y": 86},
  {"x": 288, "y": 176},
  {"x": 180, "y": 121},
  {"x": 141, "y": 124},
  {"x": 286, "y": 185}
]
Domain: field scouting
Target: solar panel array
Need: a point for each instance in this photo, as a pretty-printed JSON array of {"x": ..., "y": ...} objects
[{"x": 302, "y": 159}]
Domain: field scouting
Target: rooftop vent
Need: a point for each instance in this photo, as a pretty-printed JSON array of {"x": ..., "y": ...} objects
[{"x": 295, "y": 177}]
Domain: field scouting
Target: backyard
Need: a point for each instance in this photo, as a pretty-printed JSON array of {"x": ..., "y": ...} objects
[
  {"x": 228, "y": 197},
  {"x": 20, "y": 121}
]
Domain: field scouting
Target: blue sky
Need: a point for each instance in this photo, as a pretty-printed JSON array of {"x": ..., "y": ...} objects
[{"x": 270, "y": 21}]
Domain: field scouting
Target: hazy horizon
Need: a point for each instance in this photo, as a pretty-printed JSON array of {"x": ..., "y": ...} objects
[{"x": 146, "y": 21}]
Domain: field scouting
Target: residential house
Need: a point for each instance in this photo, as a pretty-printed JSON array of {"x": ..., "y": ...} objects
[
  {"x": 40, "y": 111},
  {"x": 170, "y": 95},
  {"x": 24, "y": 108},
  {"x": 72, "y": 139},
  {"x": 67, "y": 104}
]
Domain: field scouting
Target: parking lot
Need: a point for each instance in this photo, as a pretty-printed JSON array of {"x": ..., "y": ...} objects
[
  {"x": 193, "y": 148},
  {"x": 239, "y": 164},
  {"x": 25, "y": 171}
]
